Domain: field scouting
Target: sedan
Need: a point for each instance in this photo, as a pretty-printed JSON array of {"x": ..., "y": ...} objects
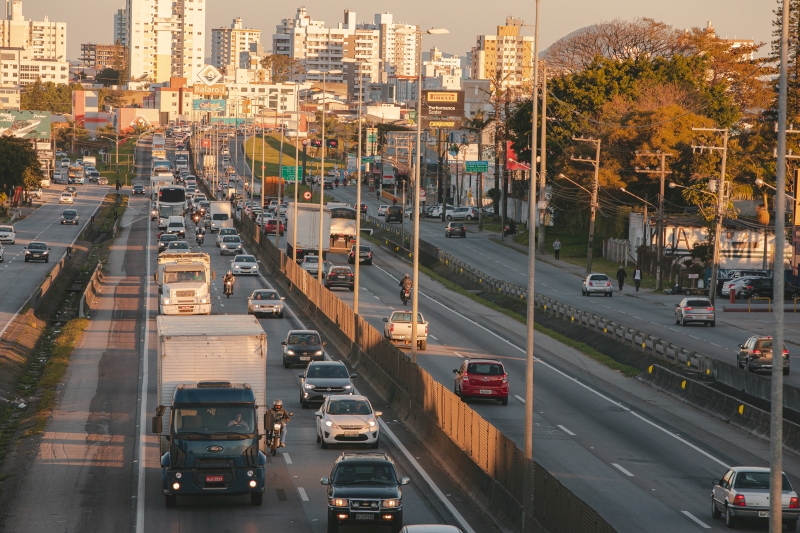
[
  {"x": 311, "y": 265},
  {"x": 695, "y": 310},
  {"x": 72, "y": 190},
  {"x": 382, "y": 210},
  {"x": 66, "y": 198},
  {"x": 245, "y": 264},
  {"x": 165, "y": 240},
  {"x": 597, "y": 283},
  {"x": 339, "y": 276},
  {"x": 178, "y": 247},
  {"x": 271, "y": 226},
  {"x": 93, "y": 176},
  {"x": 743, "y": 492},
  {"x": 8, "y": 234},
  {"x": 37, "y": 251},
  {"x": 322, "y": 379},
  {"x": 346, "y": 419},
  {"x": 301, "y": 347},
  {"x": 231, "y": 244},
  {"x": 70, "y": 216},
  {"x": 265, "y": 302},
  {"x": 455, "y": 228},
  {"x": 223, "y": 232},
  {"x": 462, "y": 213},
  {"x": 756, "y": 354},
  {"x": 138, "y": 189},
  {"x": 364, "y": 254}
]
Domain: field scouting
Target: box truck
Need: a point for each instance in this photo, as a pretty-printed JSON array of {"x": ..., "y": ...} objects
[
  {"x": 212, "y": 374},
  {"x": 184, "y": 283},
  {"x": 307, "y": 221},
  {"x": 221, "y": 215}
]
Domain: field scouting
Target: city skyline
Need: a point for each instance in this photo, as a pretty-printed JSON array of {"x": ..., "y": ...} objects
[{"x": 731, "y": 18}]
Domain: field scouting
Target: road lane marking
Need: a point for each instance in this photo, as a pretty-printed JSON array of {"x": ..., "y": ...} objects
[
  {"x": 432, "y": 337},
  {"x": 143, "y": 392},
  {"x": 696, "y": 520},
  {"x": 565, "y": 430},
  {"x": 520, "y": 399},
  {"x": 622, "y": 469},
  {"x": 287, "y": 458},
  {"x": 302, "y": 492},
  {"x": 458, "y": 354}
]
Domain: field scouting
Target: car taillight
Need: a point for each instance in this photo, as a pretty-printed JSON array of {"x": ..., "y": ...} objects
[
  {"x": 369, "y": 255},
  {"x": 709, "y": 308},
  {"x": 756, "y": 352},
  {"x": 391, "y": 328},
  {"x": 608, "y": 283},
  {"x": 794, "y": 503},
  {"x": 505, "y": 378},
  {"x": 785, "y": 351},
  {"x": 591, "y": 284},
  {"x": 739, "y": 500},
  {"x": 749, "y": 287},
  {"x": 688, "y": 308}
]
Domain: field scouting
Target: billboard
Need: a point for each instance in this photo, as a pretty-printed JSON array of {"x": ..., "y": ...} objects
[
  {"x": 442, "y": 103},
  {"x": 208, "y": 105},
  {"x": 25, "y": 124}
]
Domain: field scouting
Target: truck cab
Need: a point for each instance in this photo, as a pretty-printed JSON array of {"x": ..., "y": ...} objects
[
  {"x": 210, "y": 442},
  {"x": 184, "y": 283}
]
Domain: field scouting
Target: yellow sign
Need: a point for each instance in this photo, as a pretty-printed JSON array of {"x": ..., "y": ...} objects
[{"x": 443, "y": 97}]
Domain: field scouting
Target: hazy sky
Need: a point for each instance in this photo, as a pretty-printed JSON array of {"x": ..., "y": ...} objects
[{"x": 92, "y": 20}]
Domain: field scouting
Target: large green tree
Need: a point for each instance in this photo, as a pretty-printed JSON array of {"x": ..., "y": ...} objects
[
  {"x": 19, "y": 160},
  {"x": 48, "y": 96},
  {"x": 282, "y": 68}
]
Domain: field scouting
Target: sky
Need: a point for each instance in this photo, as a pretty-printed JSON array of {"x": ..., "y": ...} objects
[{"x": 93, "y": 20}]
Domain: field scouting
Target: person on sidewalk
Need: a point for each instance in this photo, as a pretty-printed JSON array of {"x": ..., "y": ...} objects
[
  {"x": 621, "y": 275},
  {"x": 637, "y": 278},
  {"x": 557, "y": 248}
]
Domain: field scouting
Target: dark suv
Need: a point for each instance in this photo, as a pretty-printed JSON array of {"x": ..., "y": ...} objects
[
  {"x": 394, "y": 212},
  {"x": 762, "y": 287},
  {"x": 323, "y": 378},
  {"x": 301, "y": 347},
  {"x": 364, "y": 256},
  {"x": 756, "y": 354},
  {"x": 364, "y": 489}
]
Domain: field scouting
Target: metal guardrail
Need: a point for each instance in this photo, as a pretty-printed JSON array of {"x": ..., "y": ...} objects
[{"x": 90, "y": 297}]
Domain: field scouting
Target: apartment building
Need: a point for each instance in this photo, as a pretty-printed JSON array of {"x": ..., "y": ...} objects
[
  {"x": 20, "y": 67},
  {"x": 43, "y": 39},
  {"x": 508, "y": 54},
  {"x": 441, "y": 65},
  {"x": 100, "y": 56},
  {"x": 166, "y": 39},
  {"x": 9, "y": 99},
  {"x": 121, "y": 27},
  {"x": 227, "y": 44},
  {"x": 397, "y": 51}
]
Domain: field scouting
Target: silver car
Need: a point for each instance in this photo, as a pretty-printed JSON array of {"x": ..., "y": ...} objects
[
  {"x": 462, "y": 213},
  {"x": 2, "y": 253},
  {"x": 743, "y": 492},
  {"x": 231, "y": 244},
  {"x": 311, "y": 265},
  {"x": 695, "y": 310},
  {"x": 597, "y": 284},
  {"x": 8, "y": 234},
  {"x": 223, "y": 232},
  {"x": 265, "y": 302}
]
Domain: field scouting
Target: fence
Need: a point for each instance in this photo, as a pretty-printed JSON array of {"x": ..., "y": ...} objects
[
  {"x": 617, "y": 250},
  {"x": 485, "y": 461},
  {"x": 90, "y": 297}
]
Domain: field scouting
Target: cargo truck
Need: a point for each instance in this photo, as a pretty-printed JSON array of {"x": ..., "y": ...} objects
[
  {"x": 184, "y": 283},
  {"x": 89, "y": 161},
  {"x": 307, "y": 230},
  {"x": 182, "y": 160},
  {"x": 212, "y": 398},
  {"x": 209, "y": 162},
  {"x": 221, "y": 215}
]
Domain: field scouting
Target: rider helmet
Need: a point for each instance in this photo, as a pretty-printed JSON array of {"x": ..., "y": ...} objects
[{"x": 277, "y": 404}]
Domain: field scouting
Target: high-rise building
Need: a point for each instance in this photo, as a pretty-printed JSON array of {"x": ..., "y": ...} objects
[
  {"x": 397, "y": 51},
  {"x": 228, "y": 43},
  {"x": 166, "y": 39},
  {"x": 41, "y": 39},
  {"x": 508, "y": 54},
  {"x": 121, "y": 27},
  {"x": 101, "y": 56},
  {"x": 20, "y": 67},
  {"x": 439, "y": 65}
]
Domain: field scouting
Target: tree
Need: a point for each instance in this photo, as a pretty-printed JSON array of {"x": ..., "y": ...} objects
[
  {"x": 18, "y": 156},
  {"x": 282, "y": 68},
  {"x": 48, "y": 96},
  {"x": 108, "y": 76}
]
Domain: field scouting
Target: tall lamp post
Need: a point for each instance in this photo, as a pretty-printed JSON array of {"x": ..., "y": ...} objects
[{"x": 417, "y": 174}]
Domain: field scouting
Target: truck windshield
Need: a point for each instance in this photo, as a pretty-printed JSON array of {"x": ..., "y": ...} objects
[
  {"x": 179, "y": 277},
  {"x": 219, "y": 216},
  {"x": 166, "y": 211},
  {"x": 213, "y": 419}
]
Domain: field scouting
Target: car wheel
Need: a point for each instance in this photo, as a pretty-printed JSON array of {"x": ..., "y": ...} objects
[
  {"x": 333, "y": 527},
  {"x": 713, "y": 323},
  {"x": 583, "y": 292},
  {"x": 677, "y": 320},
  {"x": 447, "y": 234},
  {"x": 46, "y": 259},
  {"x": 352, "y": 288},
  {"x": 791, "y": 525},
  {"x": 785, "y": 371},
  {"x": 610, "y": 294},
  {"x": 303, "y": 404},
  {"x": 469, "y": 217},
  {"x": 448, "y": 217},
  {"x": 423, "y": 345},
  {"x": 170, "y": 500},
  {"x": 464, "y": 236},
  {"x": 285, "y": 364},
  {"x": 715, "y": 513},
  {"x": 683, "y": 321},
  {"x": 730, "y": 521},
  {"x": 323, "y": 444},
  {"x": 256, "y": 498}
]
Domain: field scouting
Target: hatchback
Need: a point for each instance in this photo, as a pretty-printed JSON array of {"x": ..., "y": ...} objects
[
  {"x": 271, "y": 226},
  {"x": 695, "y": 310},
  {"x": 339, "y": 276},
  {"x": 322, "y": 379},
  {"x": 455, "y": 228},
  {"x": 138, "y": 189},
  {"x": 37, "y": 251},
  {"x": 382, "y": 210},
  {"x": 756, "y": 354},
  {"x": 8, "y": 234},
  {"x": 231, "y": 244},
  {"x": 301, "y": 347},
  {"x": 70, "y": 216},
  {"x": 364, "y": 255},
  {"x": 462, "y": 213},
  {"x": 597, "y": 283},
  {"x": 481, "y": 378},
  {"x": 165, "y": 239}
]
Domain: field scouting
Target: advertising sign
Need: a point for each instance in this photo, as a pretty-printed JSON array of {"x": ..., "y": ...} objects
[
  {"x": 208, "y": 105},
  {"x": 210, "y": 90},
  {"x": 433, "y": 123},
  {"x": 25, "y": 124},
  {"x": 442, "y": 103}
]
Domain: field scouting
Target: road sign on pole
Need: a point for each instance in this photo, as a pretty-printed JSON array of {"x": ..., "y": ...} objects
[
  {"x": 476, "y": 166},
  {"x": 288, "y": 173}
]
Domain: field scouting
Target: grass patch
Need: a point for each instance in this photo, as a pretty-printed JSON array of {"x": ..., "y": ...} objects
[{"x": 270, "y": 156}]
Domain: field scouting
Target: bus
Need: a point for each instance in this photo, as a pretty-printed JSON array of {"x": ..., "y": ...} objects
[
  {"x": 171, "y": 201},
  {"x": 388, "y": 175},
  {"x": 76, "y": 173},
  {"x": 343, "y": 225},
  {"x": 159, "y": 147}
]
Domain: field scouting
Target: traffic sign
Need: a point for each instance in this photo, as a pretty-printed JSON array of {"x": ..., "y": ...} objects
[
  {"x": 422, "y": 193},
  {"x": 476, "y": 166},
  {"x": 289, "y": 173},
  {"x": 307, "y": 195},
  {"x": 367, "y": 159}
]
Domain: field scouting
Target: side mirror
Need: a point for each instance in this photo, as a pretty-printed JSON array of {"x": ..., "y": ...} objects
[
  {"x": 385, "y": 319},
  {"x": 324, "y": 343},
  {"x": 455, "y": 371},
  {"x": 378, "y": 413},
  {"x": 160, "y": 290},
  {"x": 282, "y": 298},
  {"x": 405, "y": 480},
  {"x": 325, "y": 481},
  {"x": 301, "y": 376},
  {"x": 155, "y": 276},
  {"x": 353, "y": 376},
  {"x": 741, "y": 346},
  {"x": 155, "y": 424},
  {"x": 283, "y": 343},
  {"x": 24, "y": 247}
]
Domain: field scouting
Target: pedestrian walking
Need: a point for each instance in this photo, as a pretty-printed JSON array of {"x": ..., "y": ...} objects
[
  {"x": 621, "y": 275},
  {"x": 557, "y": 248},
  {"x": 637, "y": 278}
]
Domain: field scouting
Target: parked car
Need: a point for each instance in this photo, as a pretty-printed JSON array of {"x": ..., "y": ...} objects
[
  {"x": 70, "y": 216},
  {"x": 364, "y": 254},
  {"x": 245, "y": 264},
  {"x": 265, "y": 302},
  {"x": 597, "y": 283},
  {"x": 695, "y": 310},
  {"x": 322, "y": 379},
  {"x": 339, "y": 276},
  {"x": 301, "y": 347},
  {"x": 8, "y": 234},
  {"x": 455, "y": 228},
  {"x": 481, "y": 378},
  {"x": 462, "y": 213},
  {"x": 394, "y": 213},
  {"x": 736, "y": 285},
  {"x": 756, "y": 354},
  {"x": 37, "y": 251},
  {"x": 762, "y": 287},
  {"x": 743, "y": 492},
  {"x": 347, "y": 419}
]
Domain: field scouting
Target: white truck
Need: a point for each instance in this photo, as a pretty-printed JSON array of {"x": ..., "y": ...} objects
[
  {"x": 209, "y": 162},
  {"x": 221, "y": 215},
  {"x": 89, "y": 161},
  {"x": 307, "y": 230},
  {"x": 397, "y": 328},
  {"x": 210, "y": 417},
  {"x": 184, "y": 283}
]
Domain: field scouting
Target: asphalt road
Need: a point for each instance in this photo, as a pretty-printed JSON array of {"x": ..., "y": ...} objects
[{"x": 19, "y": 278}]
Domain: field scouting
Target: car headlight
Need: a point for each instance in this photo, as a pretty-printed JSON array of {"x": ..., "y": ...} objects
[
  {"x": 339, "y": 502},
  {"x": 308, "y": 386},
  {"x": 166, "y": 301},
  {"x": 27, "y": 252},
  {"x": 394, "y": 502},
  {"x": 347, "y": 387},
  {"x": 289, "y": 352},
  {"x": 204, "y": 300},
  {"x": 330, "y": 424},
  {"x": 372, "y": 423},
  {"x": 319, "y": 352}
]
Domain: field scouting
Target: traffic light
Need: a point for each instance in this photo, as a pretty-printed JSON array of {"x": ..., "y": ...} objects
[
  {"x": 332, "y": 143},
  {"x": 316, "y": 143}
]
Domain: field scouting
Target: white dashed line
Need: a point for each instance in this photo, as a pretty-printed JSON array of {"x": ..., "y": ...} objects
[
  {"x": 696, "y": 520},
  {"x": 565, "y": 430},
  {"x": 287, "y": 458},
  {"x": 458, "y": 354},
  {"x": 302, "y": 492},
  {"x": 432, "y": 337},
  {"x": 622, "y": 469},
  {"x": 520, "y": 399}
]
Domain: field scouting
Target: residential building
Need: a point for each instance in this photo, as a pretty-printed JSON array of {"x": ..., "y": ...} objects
[
  {"x": 166, "y": 39},
  {"x": 508, "y": 54},
  {"x": 121, "y": 27},
  {"x": 397, "y": 51},
  {"x": 43, "y": 39},
  {"x": 439, "y": 65},
  {"x": 227, "y": 44},
  {"x": 442, "y": 82},
  {"x": 172, "y": 99},
  {"x": 276, "y": 97},
  {"x": 100, "y": 56},
  {"x": 20, "y": 67},
  {"x": 9, "y": 99}
]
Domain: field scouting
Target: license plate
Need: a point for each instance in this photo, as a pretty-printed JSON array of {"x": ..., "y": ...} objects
[
  {"x": 360, "y": 516},
  {"x": 763, "y": 514},
  {"x": 185, "y": 308},
  {"x": 305, "y": 359},
  {"x": 365, "y": 255},
  {"x": 351, "y": 433},
  {"x": 213, "y": 479},
  {"x": 485, "y": 391}
]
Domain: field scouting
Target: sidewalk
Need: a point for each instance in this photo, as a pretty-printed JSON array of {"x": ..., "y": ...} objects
[{"x": 85, "y": 455}]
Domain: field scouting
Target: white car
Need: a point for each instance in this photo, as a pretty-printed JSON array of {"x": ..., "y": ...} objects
[
  {"x": 462, "y": 213},
  {"x": 225, "y": 231},
  {"x": 743, "y": 492},
  {"x": 382, "y": 210},
  {"x": 347, "y": 419},
  {"x": 66, "y": 198},
  {"x": 65, "y": 161},
  {"x": 244, "y": 264},
  {"x": 230, "y": 244},
  {"x": 597, "y": 284},
  {"x": 8, "y": 234},
  {"x": 735, "y": 284},
  {"x": 58, "y": 177},
  {"x": 311, "y": 265}
]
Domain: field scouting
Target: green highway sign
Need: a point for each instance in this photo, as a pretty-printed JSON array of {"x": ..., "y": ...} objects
[
  {"x": 289, "y": 173},
  {"x": 368, "y": 159},
  {"x": 476, "y": 166}
]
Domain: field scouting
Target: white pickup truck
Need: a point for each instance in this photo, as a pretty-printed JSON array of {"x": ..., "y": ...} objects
[{"x": 397, "y": 329}]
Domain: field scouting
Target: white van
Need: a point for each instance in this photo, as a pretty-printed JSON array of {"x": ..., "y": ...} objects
[{"x": 176, "y": 225}]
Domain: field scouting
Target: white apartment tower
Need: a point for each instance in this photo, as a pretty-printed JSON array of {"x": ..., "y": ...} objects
[
  {"x": 166, "y": 38},
  {"x": 121, "y": 27},
  {"x": 227, "y": 44},
  {"x": 398, "y": 51},
  {"x": 41, "y": 39}
]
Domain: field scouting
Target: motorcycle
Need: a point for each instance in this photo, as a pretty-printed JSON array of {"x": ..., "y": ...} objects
[
  {"x": 509, "y": 231},
  {"x": 405, "y": 296},
  {"x": 200, "y": 238},
  {"x": 196, "y": 218},
  {"x": 228, "y": 290},
  {"x": 274, "y": 438}
]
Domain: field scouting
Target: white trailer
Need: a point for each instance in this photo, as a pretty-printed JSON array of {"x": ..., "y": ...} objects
[{"x": 307, "y": 229}]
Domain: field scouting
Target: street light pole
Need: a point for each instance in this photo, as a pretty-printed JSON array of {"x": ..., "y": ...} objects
[
  {"x": 296, "y": 175},
  {"x": 357, "y": 269},
  {"x": 320, "y": 260},
  {"x": 662, "y": 171},
  {"x": 595, "y": 185}
]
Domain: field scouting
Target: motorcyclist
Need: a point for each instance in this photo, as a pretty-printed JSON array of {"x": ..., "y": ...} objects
[
  {"x": 229, "y": 277},
  {"x": 278, "y": 413},
  {"x": 406, "y": 285},
  {"x": 201, "y": 234}
]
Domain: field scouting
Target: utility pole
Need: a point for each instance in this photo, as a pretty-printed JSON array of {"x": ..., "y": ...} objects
[
  {"x": 721, "y": 194},
  {"x": 542, "y": 163},
  {"x": 662, "y": 171},
  {"x": 595, "y": 185}
]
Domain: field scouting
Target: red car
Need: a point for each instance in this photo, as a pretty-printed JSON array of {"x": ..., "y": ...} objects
[
  {"x": 270, "y": 226},
  {"x": 481, "y": 378}
]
